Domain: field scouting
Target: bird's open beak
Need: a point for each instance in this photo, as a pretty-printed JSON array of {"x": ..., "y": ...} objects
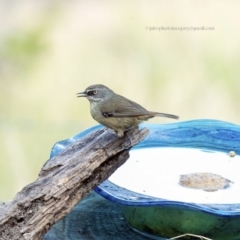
[{"x": 81, "y": 94}]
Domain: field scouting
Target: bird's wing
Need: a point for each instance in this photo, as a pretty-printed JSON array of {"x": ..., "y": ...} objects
[{"x": 123, "y": 107}]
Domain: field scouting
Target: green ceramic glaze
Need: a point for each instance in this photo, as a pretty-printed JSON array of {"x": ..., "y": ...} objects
[{"x": 171, "y": 221}]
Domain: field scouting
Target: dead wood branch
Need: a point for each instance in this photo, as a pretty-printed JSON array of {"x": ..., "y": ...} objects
[{"x": 63, "y": 181}]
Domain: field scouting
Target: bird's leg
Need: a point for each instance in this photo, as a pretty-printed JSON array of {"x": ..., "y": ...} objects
[
  {"x": 120, "y": 133},
  {"x": 116, "y": 132}
]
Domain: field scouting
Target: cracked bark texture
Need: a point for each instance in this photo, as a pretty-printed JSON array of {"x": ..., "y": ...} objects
[{"x": 63, "y": 181}]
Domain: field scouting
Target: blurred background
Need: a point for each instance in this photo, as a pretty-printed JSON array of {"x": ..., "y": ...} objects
[{"x": 50, "y": 50}]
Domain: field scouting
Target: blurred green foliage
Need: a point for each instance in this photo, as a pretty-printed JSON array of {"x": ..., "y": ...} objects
[
  {"x": 49, "y": 51},
  {"x": 24, "y": 49}
]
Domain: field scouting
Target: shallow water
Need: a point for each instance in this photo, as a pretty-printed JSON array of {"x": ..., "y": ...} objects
[{"x": 156, "y": 172}]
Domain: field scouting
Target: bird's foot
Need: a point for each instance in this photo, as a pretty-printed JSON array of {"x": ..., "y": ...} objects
[{"x": 120, "y": 133}]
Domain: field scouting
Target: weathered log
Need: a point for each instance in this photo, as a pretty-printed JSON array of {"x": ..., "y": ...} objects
[{"x": 63, "y": 181}]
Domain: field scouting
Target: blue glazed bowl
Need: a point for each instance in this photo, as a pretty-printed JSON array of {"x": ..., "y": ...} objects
[{"x": 164, "y": 208}]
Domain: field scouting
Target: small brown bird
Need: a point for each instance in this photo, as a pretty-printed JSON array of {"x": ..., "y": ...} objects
[{"x": 115, "y": 111}]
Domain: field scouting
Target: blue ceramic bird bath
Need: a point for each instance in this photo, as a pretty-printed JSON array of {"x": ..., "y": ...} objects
[{"x": 183, "y": 178}]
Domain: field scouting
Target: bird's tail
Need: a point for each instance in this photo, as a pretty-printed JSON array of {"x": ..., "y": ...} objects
[{"x": 157, "y": 114}]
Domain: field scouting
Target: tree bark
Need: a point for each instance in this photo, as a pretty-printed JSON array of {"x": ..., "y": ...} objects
[{"x": 63, "y": 181}]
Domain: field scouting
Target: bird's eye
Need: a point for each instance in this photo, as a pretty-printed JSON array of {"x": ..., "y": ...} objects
[{"x": 90, "y": 93}]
